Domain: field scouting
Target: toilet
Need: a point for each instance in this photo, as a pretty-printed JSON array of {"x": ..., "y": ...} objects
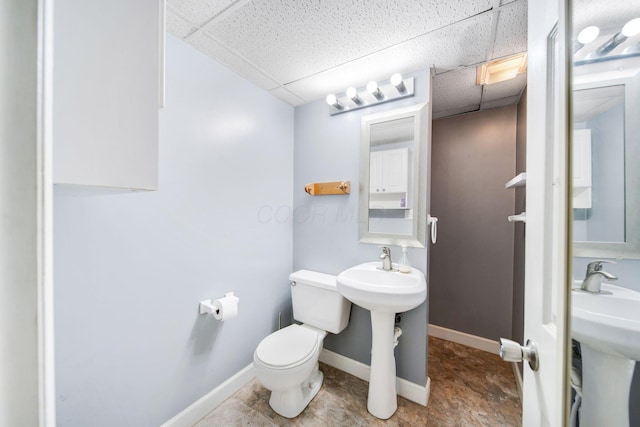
[{"x": 286, "y": 362}]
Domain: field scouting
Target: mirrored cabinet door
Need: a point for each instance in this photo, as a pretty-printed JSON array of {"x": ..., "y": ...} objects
[{"x": 393, "y": 176}]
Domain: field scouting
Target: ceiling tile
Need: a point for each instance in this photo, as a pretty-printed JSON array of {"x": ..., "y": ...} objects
[
  {"x": 287, "y": 96},
  {"x": 456, "y": 111},
  {"x": 199, "y": 12},
  {"x": 505, "y": 89},
  {"x": 455, "y": 89},
  {"x": 511, "y": 34},
  {"x": 221, "y": 54},
  {"x": 463, "y": 43},
  {"x": 499, "y": 102},
  {"x": 178, "y": 26},
  {"x": 290, "y": 39}
]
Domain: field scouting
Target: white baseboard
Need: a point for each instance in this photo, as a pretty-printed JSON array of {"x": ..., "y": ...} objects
[
  {"x": 207, "y": 403},
  {"x": 407, "y": 389},
  {"x": 464, "y": 339}
]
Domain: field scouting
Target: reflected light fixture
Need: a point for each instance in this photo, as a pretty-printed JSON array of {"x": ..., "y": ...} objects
[
  {"x": 586, "y": 36},
  {"x": 352, "y": 94},
  {"x": 500, "y": 70},
  {"x": 373, "y": 89},
  {"x": 398, "y": 82},
  {"x": 630, "y": 29},
  {"x": 333, "y": 101}
]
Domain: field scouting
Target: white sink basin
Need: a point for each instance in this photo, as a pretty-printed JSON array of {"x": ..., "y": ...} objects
[
  {"x": 372, "y": 288},
  {"x": 607, "y": 325},
  {"x": 608, "y": 321}
]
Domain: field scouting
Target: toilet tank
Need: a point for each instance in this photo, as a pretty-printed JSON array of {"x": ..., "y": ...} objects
[{"x": 317, "y": 302}]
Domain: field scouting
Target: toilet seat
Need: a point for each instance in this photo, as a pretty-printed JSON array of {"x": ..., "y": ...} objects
[{"x": 288, "y": 347}]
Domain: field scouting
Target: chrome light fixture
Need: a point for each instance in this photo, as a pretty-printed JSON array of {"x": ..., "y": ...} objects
[
  {"x": 397, "y": 87},
  {"x": 332, "y": 101},
  {"x": 398, "y": 82},
  {"x": 630, "y": 29},
  {"x": 586, "y": 36},
  {"x": 352, "y": 94},
  {"x": 373, "y": 89}
]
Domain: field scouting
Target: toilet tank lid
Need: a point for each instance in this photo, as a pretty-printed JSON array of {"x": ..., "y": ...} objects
[{"x": 321, "y": 280}]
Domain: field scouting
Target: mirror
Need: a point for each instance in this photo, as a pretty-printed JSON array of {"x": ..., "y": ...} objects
[
  {"x": 605, "y": 298},
  {"x": 393, "y": 177},
  {"x": 606, "y": 146}
]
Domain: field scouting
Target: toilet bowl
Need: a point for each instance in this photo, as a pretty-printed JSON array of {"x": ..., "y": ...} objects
[{"x": 286, "y": 362}]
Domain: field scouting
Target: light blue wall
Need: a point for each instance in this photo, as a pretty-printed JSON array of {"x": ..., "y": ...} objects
[
  {"x": 131, "y": 268},
  {"x": 325, "y": 228}
]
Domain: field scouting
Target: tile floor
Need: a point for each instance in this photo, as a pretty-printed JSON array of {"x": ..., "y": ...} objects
[{"x": 469, "y": 387}]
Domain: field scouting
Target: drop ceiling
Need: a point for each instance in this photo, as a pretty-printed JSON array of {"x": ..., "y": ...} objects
[{"x": 301, "y": 50}]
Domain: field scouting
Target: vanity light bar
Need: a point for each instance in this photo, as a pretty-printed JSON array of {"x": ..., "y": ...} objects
[{"x": 373, "y": 94}]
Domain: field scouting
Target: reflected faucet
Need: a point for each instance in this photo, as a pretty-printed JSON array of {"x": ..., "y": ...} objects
[
  {"x": 385, "y": 256},
  {"x": 593, "y": 279}
]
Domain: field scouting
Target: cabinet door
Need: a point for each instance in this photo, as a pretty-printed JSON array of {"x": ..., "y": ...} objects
[
  {"x": 105, "y": 105},
  {"x": 395, "y": 170}
]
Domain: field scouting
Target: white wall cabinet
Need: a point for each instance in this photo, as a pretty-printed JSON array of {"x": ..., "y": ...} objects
[
  {"x": 106, "y": 91},
  {"x": 389, "y": 179},
  {"x": 389, "y": 171}
]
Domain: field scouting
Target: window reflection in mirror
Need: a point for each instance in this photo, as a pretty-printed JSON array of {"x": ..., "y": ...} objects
[{"x": 599, "y": 164}]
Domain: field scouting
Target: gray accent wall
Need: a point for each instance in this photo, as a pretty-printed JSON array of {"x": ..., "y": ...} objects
[
  {"x": 131, "y": 267},
  {"x": 325, "y": 228},
  {"x": 471, "y": 266}
]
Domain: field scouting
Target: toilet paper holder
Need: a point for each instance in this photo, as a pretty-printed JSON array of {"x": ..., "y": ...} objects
[{"x": 207, "y": 306}]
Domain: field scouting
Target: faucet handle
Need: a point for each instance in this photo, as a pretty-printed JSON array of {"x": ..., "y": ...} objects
[
  {"x": 597, "y": 265},
  {"x": 385, "y": 250}
]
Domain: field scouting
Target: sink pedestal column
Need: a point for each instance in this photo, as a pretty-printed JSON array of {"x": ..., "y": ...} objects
[
  {"x": 606, "y": 382},
  {"x": 382, "y": 401}
]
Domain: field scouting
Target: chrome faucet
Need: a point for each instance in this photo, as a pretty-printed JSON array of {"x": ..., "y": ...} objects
[
  {"x": 593, "y": 279},
  {"x": 385, "y": 256}
]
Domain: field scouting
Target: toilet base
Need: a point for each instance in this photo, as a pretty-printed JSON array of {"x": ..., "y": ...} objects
[{"x": 290, "y": 403}]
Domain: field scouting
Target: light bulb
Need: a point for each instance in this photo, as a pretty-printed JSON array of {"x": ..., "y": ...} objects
[
  {"x": 332, "y": 100},
  {"x": 588, "y": 34},
  {"x": 352, "y": 92},
  {"x": 396, "y": 80},
  {"x": 372, "y": 88},
  {"x": 631, "y": 28}
]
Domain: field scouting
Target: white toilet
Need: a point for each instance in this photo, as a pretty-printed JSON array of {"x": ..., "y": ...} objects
[{"x": 286, "y": 361}]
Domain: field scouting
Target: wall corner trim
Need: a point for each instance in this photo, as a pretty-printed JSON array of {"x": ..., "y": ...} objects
[
  {"x": 207, "y": 403},
  {"x": 411, "y": 391},
  {"x": 464, "y": 338}
]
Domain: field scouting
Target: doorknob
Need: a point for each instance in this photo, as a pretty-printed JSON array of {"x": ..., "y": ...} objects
[{"x": 511, "y": 351}]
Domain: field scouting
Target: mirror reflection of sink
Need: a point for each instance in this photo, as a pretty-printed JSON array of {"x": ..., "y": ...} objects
[
  {"x": 370, "y": 287},
  {"x": 607, "y": 324},
  {"x": 384, "y": 293}
]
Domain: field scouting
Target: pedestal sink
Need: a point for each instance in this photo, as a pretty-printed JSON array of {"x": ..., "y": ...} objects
[
  {"x": 607, "y": 324},
  {"x": 384, "y": 293}
]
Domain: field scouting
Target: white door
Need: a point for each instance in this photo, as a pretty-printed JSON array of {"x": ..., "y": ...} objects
[
  {"x": 27, "y": 392},
  {"x": 547, "y": 244}
]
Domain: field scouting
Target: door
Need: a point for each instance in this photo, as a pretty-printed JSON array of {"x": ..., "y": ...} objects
[
  {"x": 547, "y": 228},
  {"x": 27, "y": 392}
]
